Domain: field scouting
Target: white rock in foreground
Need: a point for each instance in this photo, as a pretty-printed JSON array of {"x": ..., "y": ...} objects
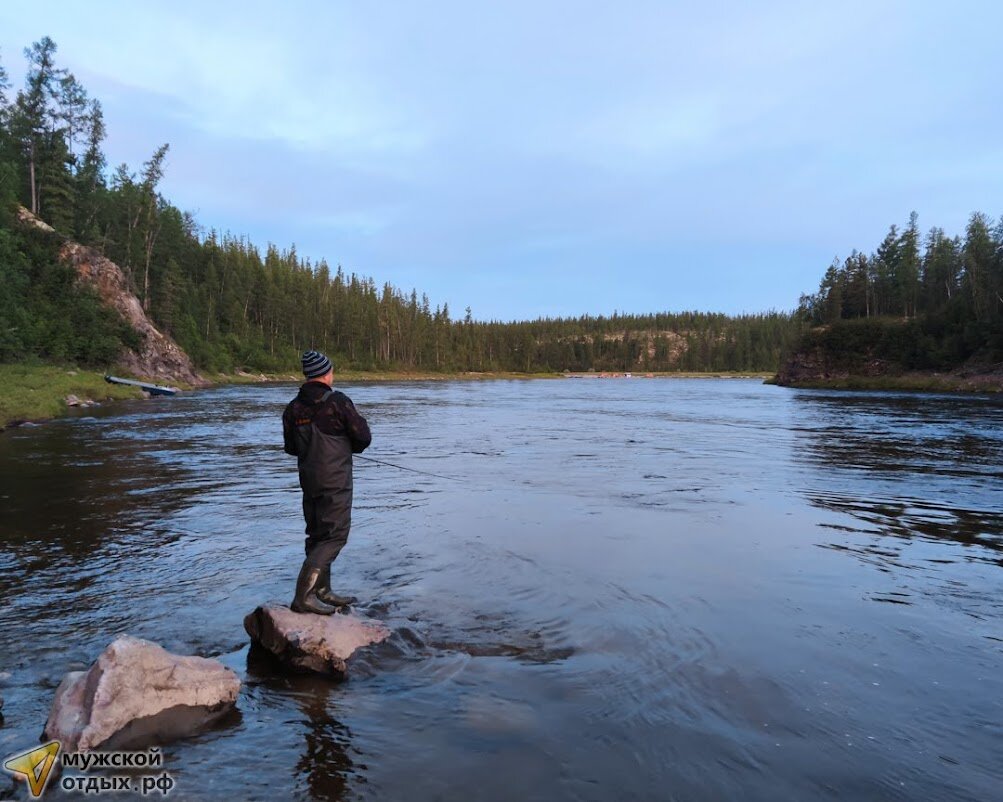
[
  {"x": 308, "y": 642},
  {"x": 137, "y": 694}
]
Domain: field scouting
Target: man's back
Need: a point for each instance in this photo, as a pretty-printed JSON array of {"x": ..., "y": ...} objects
[{"x": 322, "y": 429}]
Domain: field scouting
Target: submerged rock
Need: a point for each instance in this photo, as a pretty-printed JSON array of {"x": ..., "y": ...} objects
[
  {"x": 308, "y": 642},
  {"x": 137, "y": 694}
]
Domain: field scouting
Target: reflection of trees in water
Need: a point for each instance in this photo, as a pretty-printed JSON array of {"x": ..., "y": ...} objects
[
  {"x": 908, "y": 466},
  {"x": 69, "y": 490},
  {"x": 324, "y": 764},
  {"x": 915, "y": 519},
  {"x": 948, "y": 556},
  {"x": 911, "y": 467},
  {"x": 70, "y": 500},
  {"x": 947, "y": 436}
]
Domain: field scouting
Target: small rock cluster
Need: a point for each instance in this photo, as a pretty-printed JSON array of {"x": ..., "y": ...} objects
[
  {"x": 73, "y": 401},
  {"x": 137, "y": 693}
]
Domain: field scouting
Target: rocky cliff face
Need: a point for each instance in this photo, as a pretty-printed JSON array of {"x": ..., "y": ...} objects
[
  {"x": 158, "y": 358},
  {"x": 812, "y": 364},
  {"x": 877, "y": 355}
]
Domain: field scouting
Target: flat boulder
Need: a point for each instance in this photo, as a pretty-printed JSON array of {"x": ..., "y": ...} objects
[
  {"x": 308, "y": 642},
  {"x": 137, "y": 694}
]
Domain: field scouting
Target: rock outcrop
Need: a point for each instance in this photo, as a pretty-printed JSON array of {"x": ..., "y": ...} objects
[
  {"x": 307, "y": 642},
  {"x": 877, "y": 354},
  {"x": 836, "y": 352},
  {"x": 812, "y": 365},
  {"x": 137, "y": 694},
  {"x": 157, "y": 358}
]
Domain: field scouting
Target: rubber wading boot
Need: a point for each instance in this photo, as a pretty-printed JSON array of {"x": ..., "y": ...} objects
[
  {"x": 305, "y": 600},
  {"x": 328, "y": 596}
]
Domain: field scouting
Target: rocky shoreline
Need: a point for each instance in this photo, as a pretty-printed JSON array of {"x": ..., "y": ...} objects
[
  {"x": 817, "y": 369},
  {"x": 905, "y": 382}
]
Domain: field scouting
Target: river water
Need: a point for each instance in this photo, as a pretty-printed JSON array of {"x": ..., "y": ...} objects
[{"x": 660, "y": 589}]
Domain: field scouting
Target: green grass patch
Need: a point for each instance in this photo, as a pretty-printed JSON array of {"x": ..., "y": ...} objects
[{"x": 38, "y": 392}]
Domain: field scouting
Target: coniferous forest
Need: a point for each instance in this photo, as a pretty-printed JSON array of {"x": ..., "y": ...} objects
[
  {"x": 930, "y": 302},
  {"x": 232, "y": 305}
]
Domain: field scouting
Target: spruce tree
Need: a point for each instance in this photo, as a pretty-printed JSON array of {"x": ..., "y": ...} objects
[
  {"x": 907, "y": 267},
  {"x": 90, "y": 177},
  {"x": 35, "y": 112},
  {"x": 979, "y": 258}
]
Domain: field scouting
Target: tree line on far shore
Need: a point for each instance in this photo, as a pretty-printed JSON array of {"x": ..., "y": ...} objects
[
  {"x": 926, "y": 302},
  {"x": 232, "y": 305},
  {"x": 938, "y": 299}
]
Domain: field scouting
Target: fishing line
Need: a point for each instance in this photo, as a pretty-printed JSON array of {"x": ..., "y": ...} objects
[{"x": 405, "y": 468}]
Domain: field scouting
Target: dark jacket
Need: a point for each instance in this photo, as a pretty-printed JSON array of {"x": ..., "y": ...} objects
[{"x": 322, "y": 429}]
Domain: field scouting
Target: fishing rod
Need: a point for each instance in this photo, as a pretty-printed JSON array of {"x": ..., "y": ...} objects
[{"x": 405, "y": 468}]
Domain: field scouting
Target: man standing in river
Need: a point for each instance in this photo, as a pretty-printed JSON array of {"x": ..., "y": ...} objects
[{"x": 322, "y": 429}]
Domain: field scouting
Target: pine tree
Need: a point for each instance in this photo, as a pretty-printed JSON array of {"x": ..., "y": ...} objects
[
  {"x": 56, "y": 195},
  {"x": 941, "y": 270},
  {"x": 907, "y": 267},
  {"x": 72, "y": 108},
  {"x": 885, "y": 266},
  {"x": 979, "y": 258},
  {"x": 35, "y": 111},
  {"x": 4, "y": 86},
  {"x": 153, "y": 171},
  {"x": 90, "y": 177},
  {"x": 857, "y": 298}
]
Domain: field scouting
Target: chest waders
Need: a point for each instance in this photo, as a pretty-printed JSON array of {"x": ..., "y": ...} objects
[{"x": 325, "y": 470}]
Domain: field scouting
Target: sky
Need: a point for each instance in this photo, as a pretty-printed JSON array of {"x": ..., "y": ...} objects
[{"x": 552, "y": 158}]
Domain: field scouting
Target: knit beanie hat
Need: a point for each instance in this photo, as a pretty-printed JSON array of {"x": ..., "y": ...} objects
[{"x": 315, "y": 364}]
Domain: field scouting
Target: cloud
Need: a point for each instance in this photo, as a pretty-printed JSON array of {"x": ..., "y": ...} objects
[{"x": 520, "y": 156}]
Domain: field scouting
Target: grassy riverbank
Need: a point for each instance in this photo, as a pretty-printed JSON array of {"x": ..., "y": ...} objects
[{"x": 38, "y": 392}]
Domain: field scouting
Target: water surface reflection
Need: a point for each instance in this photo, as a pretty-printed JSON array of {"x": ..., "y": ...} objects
[{"x": 648, "y": 589}]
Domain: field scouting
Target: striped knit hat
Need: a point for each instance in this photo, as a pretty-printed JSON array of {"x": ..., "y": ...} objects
[{"x": 315, "y": 364}]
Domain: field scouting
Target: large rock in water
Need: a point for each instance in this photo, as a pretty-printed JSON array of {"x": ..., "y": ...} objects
[
  {"x": 308, "y": 642},
  {"x": 137, "y": 694}
]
